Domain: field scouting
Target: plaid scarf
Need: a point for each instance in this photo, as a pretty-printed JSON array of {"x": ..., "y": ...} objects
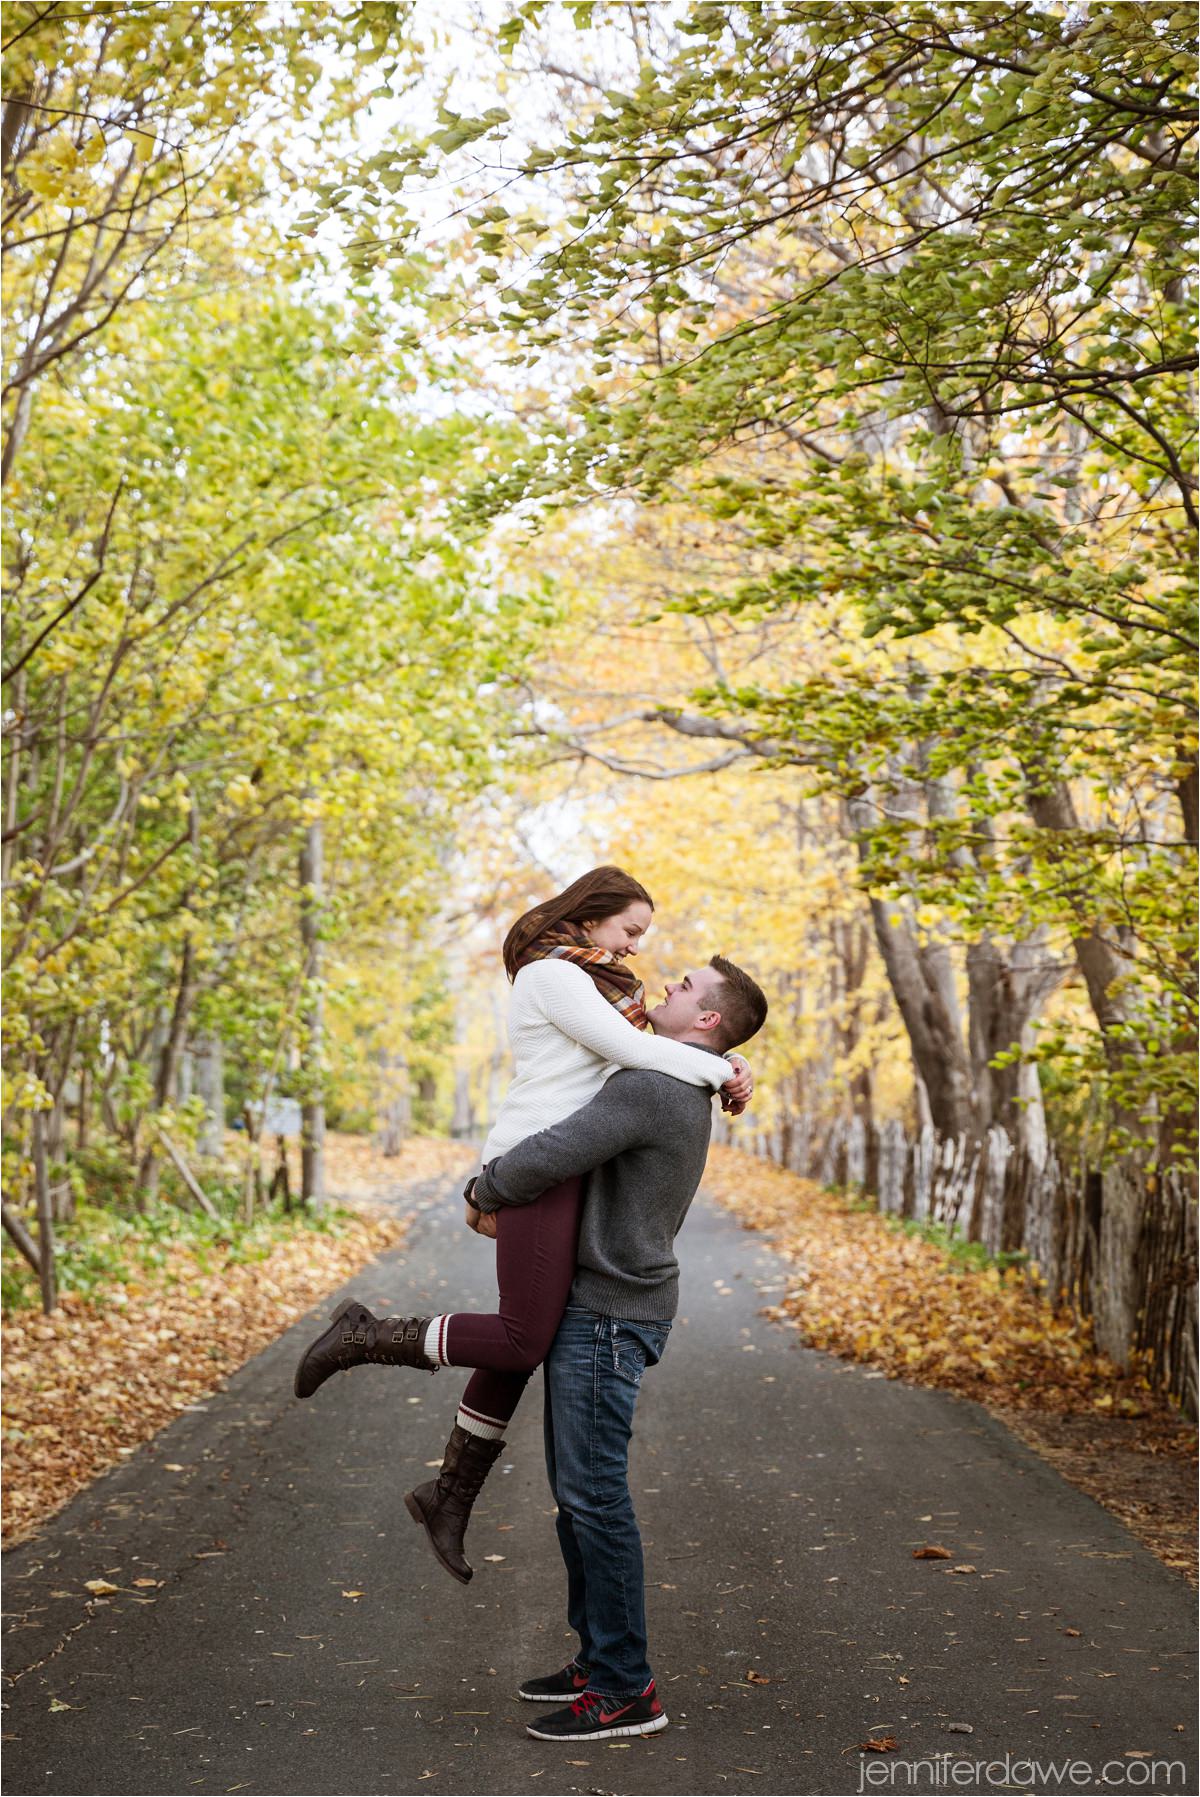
[{"x": 615, "y": 982}]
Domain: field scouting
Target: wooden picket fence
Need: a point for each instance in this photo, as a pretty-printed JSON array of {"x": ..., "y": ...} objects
[{"x": 1117, "y": 1246}]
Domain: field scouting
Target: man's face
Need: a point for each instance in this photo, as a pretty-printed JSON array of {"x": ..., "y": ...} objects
[{"x": 688, "y": 1009}]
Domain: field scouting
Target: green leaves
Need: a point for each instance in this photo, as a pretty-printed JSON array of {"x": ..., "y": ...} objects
[
  {"x": 237, "y": 605},
  {"x": 457, "y": 131},
  {"x": 891, "y": 294}
]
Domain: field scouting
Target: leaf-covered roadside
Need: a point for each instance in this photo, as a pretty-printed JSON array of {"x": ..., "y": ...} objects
[
  {"x": 358, "y": 1172},
  {"x": 869, "y": 1290},
  {"x": 87, "y": 1385}
]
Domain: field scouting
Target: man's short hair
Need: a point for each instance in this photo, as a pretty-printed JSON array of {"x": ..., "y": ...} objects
[{"x": 740, "y": 1001}]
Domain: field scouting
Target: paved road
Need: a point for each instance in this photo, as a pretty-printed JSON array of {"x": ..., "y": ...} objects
[{"x": 299, "y": 1638}]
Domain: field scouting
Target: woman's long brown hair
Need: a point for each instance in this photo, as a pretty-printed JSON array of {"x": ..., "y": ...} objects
[{"x": 605, "y": 892}]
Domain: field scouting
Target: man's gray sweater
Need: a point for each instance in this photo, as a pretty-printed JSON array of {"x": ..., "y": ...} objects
[{"x": 644, "y": 1141}]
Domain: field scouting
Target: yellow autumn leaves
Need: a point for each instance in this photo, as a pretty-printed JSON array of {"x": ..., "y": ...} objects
[{"x": 867, "y": 1291}]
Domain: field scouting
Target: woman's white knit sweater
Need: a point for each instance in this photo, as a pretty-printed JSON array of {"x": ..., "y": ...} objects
[{"x": 566, "y": 1040}]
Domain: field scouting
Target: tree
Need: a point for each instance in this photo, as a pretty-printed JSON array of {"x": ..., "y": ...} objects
[
  {"x": 272, "y": 631},
  {"x": 128, "y": 131},
  {"x": 900, "y": 294}
]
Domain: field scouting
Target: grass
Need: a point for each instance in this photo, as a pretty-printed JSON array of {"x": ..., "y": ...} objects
[
  {"x": 955, "y": 1246},
  {"x": 110, "y": 1242},
  {"x": 102, "y": 1248}
]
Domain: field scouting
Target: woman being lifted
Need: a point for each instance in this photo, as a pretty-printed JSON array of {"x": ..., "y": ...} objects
[{"x": 576, "y": 1014}]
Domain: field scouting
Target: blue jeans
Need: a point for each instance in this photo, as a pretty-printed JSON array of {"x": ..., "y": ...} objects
[{"x": 592, "y": 1375}]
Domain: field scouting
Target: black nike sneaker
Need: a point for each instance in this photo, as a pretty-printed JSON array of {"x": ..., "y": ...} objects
[
  {"x": 559, "y": 1687},
  {"x": 595, "y": 1718}
]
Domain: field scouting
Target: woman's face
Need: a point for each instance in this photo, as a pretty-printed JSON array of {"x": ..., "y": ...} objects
[{"x": 621, "y": 935}]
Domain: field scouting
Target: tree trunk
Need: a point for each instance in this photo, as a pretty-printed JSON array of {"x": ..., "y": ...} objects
[
  {"x": 1187, "y": 790},
  {"x": 41, "y": 1178},
  {"x": 12, "y": 780},
  {"x": 280, "y": 1180},
  {"x": 851, "y": 943},
  {"x": 210, "y": 1086},
  {"x": 921, "y": 977},
  {"x": 252, "y": 1184},
  {"x": 170, "y": 1041},
  {"x": 1177, "y": 1131},
  {"x": 15, "y": 1228},
  {"x": 1099, "y": 962},
  {"x": 395, "y": 1103},
  {"x": 312, "y": 1123},
  {"x": 1007, "y": 987},
  {"x": 1118, "y": 1295},
  {"x": 16, "y": 115},
  {"x": 147, "y": 1173},
  {"x": 168, "y": 1060},
  {"x": 917, "y": 979},
  {"x": 189, "y": 1179},
  {"x": 81, "y": 1130}
]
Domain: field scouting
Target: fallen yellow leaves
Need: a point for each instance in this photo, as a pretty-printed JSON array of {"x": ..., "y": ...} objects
[
  {"x": 869, "y": 1292},
  {"x": 872, "y": 1294},
  {"x": 86, "y": 1385},
  {"x": 357, "y": 1170}
]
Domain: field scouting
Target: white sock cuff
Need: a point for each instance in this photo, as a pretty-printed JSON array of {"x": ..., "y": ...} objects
[
  {"x": 488, "y": 1428},
  {"x": 434, "y": 1345}
]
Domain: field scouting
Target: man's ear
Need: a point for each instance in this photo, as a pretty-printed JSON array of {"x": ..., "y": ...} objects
[{"x": 707, "y": 1020}]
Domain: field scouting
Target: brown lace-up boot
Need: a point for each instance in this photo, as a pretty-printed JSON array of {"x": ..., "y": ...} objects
[
  {"x": 357, "y": 1338},
  {"x": 442, "y": 1506}
]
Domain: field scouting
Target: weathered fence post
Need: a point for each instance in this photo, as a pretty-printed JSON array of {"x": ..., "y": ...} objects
[
  {"x": 1116, "y": 1297},
  {"x": 1108, "y": 1244}
]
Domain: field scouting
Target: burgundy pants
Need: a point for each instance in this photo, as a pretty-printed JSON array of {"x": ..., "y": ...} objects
[{"x": 535, "y": 1264}]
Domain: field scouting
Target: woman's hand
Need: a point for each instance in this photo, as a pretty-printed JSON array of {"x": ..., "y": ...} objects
[
  {"x": 481, "y": 1221},
  {"x": 737, "y": 1092}
]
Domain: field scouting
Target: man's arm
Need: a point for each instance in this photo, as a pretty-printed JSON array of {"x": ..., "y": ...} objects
[{"x": 619, "y": 1117}]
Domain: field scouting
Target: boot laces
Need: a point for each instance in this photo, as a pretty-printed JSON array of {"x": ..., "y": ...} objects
[
  {"x": 586, "y": 1702},
  {"x": 468, "y": 1485}
]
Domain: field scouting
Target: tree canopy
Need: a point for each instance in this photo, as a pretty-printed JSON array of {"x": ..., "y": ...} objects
[
  {"x": 756, "y": 442},
  {"x": 901, "y": 297}
]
